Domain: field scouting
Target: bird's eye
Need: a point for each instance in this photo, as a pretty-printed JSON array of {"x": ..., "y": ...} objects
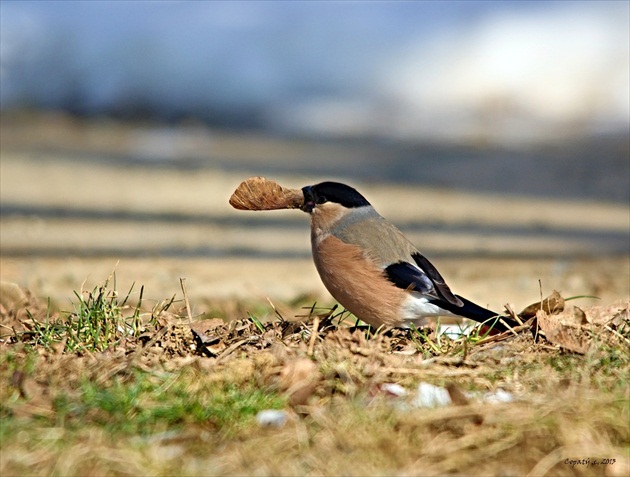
[{"x": 321, "y": 199}]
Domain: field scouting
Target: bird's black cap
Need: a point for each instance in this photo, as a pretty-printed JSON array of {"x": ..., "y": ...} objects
[{"x": 332, "y": 192}]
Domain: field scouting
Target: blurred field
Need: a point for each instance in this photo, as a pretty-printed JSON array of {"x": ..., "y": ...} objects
[{"x": 80, "y": 197}]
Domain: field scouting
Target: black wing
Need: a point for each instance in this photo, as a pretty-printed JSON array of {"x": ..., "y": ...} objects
[
  {"x": 409, "y": 277},
  {"x": 427, "y": 280},
  {"x": 438, "y": 281},
  {"x": 424, "y": 279}
]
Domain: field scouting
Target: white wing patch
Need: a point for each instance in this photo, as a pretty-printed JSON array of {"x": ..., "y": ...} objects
[{"x": 417, "y": 306}]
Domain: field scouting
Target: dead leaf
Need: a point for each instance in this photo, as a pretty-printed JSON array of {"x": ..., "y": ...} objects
[
  {"x": 579, "y": 316},
  {"x": 601, "y": 315},
  {"x": 299, "y": 379},
  {"x": 204, "y": 330},
  {"x": 621, "y": 318},
  {"x": 12, "y": 296},
  {"x": 557, "y": 333},
  {"x": 456, "y": 394},
  {"x": 552, "y": 305},
  {"x": 36, "y": 401}
]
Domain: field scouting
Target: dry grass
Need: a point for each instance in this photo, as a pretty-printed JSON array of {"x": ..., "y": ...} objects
[{"x": 173, "y": 397}]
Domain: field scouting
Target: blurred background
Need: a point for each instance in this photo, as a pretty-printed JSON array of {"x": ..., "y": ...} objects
[{"x": 495, "y": 134}]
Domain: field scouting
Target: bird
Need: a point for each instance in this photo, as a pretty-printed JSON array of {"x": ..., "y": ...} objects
[{"x": 374, "y": 271}]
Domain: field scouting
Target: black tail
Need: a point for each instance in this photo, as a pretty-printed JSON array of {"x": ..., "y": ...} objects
[{"x": 477, "y": 313}]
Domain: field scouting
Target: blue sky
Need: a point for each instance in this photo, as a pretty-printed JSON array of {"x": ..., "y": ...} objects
[{"x": 405, "y": 69}]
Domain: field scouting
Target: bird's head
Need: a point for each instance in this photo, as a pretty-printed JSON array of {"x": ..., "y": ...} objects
[{"x": 331, "y": 194}]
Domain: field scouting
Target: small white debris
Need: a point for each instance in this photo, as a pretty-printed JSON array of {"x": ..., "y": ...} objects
[
  {"x": 271, "y": 418},
  {"x": 498, "y": 396},
  {"x": 126, "y": 329},
  {"x": 455, "y": 331},
  {"x": 429, "y": 395},
  {"x": 394, "y": 389}
]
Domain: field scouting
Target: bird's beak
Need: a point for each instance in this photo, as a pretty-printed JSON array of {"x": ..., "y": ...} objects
[{"x": 309, "y": 199}]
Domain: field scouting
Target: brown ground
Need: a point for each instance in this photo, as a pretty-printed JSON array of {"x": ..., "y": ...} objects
[
  {"x": 76, "y": 202},
  {"x": 81, "y": 412}
]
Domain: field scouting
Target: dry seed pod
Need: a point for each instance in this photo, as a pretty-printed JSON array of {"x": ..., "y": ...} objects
[{"x": 258, "y": 193}]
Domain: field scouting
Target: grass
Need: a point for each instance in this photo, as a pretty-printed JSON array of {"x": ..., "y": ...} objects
[
  {"x": 98, "y": 321},
  {"x": 111, "y": 388},
  {"x": 144, "y": 403}
]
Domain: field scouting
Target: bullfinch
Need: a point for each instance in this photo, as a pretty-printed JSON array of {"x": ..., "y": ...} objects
[{"x": 373, "y": 270}]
